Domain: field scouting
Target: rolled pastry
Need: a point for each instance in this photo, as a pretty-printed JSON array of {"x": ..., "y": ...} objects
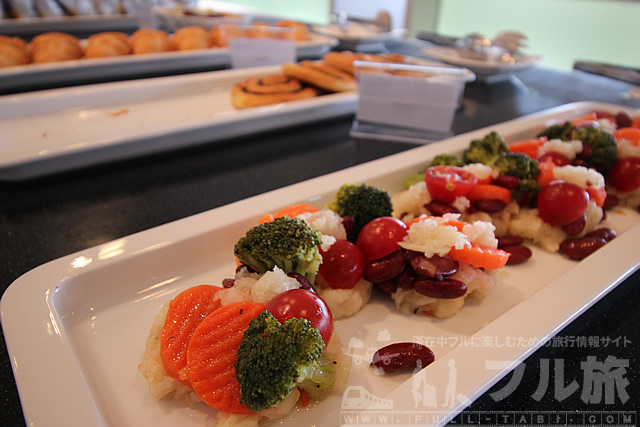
[
  {"x": 344, "y": 60},
  {"x": 107, "y": 44},
  {"x": 190, "y": 38},
  {"x": 13, "y": 51},
  {"x": 148, "y": 40},
  {"x": 55, "y": 47},
  {"x": 321, "y": 75},
  {"x": 272, "y": 89}
]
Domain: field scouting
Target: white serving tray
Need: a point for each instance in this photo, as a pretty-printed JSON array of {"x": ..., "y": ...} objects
[
  {"x": 76, "y": 327},
  {"x": 77, "y": 23},
  {"x": 51, "y": 131},
  {"x": 30, "y": 76}
]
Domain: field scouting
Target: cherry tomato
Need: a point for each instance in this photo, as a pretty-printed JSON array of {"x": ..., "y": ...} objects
[
  {"x": 380, "y": 237},
  {"x": 561, "y": 203},
  {"x": 342, "y": 265},
  {"x": 557, "y": 159},
  {"x": 445, "y": 183},
  {"x": 625, "y": 175},
  {"x": 303, "y": 304}
]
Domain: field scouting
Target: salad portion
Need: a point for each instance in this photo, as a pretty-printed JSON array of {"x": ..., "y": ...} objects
[{"x": 553, "y": 189}]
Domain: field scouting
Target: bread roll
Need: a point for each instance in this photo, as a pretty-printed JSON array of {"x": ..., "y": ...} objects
[
  {"x": 147, "y": 40},
  {"x": 13, "y": 51},
  {"x": 190, "y": 38},
  {"x": 300, "y": 31},
  {"x": 55, "y": 47},
  {"x": 107, "y": 44}
]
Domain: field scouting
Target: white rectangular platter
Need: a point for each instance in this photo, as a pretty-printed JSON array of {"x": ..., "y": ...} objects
[
  {"x": 76, "y": 327},
  {"x": 130, "y": 66},
  {"x": 60, "y": 129}
]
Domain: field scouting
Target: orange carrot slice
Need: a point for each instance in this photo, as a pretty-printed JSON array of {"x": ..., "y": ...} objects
[
  {"x": 489, "y": 191},
  {"x": 304, "y": 398},
  {"x": 630, "y": 134},
  {"x": 487, "y": 258},
  {"x": 185, "y": 313},
  {"x": 457, "y": 224},
  {"x": 636, "y": 123},
  {"x": 289, "y": 211},
  {"x": 530, "y": 147},
  {"x": 546, "y": 175},
  {"x": 586, "y": 118},
  {"x": 598, "y": 195},
  {"x": 213, "y": 352}
]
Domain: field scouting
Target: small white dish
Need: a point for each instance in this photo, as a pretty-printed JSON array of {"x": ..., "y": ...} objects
[{"x": 490, "y": 70}]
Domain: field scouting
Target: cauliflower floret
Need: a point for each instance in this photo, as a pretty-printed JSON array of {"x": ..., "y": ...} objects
[
  {"x": 627, "y": 149},
  {"x": 580, "y": 176},
  {"x": 327, "y": 222},
  {"x": 528, "y": 224},
  {"x": 481, "y": 233},
  {"x": 344, "y": 302},
  {"x": 481, "y": 171},
  {"x": 568, "y": 148},
  {"x": 257, "y": 288},
  {"x": 500, "y": 219},
  {"x": 431, "y": 237},
  {"x": 410, "y": 203}
]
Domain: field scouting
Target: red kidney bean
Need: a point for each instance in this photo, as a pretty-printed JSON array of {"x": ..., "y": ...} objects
[
  {"x": 436, "y": 266},
  {"x": 586, "y": 152},
  {"x": 385, "y": 268},
  {"x": 440, "y": 208},
  {"x": 576, "y": 226},
  {"x": 510, "y": 240},
  {"x": 506, "y": 181},
  {"x": 623, "y": 120},
  {"x": 579, "y": 162},
  {"x": 228, "y": 283},
  {"x": 442, "y": 289},
  {"x": 581, "y": 247},
  {"x": 489, "y": 205},
  {"x": 519, "y": 253},
  {"x": 388, "y": 286},
  {"x": 406, "y": 279},
  {"x": 610, "y": 202},
  {"x": 303, "y": 281},
  {"x": 403, "y": 356},
  {"x": 607, "y": 234},
  {"x": 348, "y": 222}
]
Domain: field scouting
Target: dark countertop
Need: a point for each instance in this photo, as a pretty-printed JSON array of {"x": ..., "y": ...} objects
[{"x": 48, "y": 218}]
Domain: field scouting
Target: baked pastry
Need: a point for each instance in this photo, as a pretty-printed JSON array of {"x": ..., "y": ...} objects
[
  {"x": 148, "y": 40},
  {"x": 103, "y": 45},
  {"x": 13, "y": 51},
  {"x": 300, "y": 31},
  {"x": 55, "y": 47},
  {"x": 344, "y": 60},
  {"x": 271, "y": 89},
  {"x": 321, "y": 75},
  {"x": 191, "y": 38}
]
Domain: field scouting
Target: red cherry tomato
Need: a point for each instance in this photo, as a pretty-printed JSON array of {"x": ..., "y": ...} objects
[
  {"x": 625, "y": 175},
  {"x": 342, "y": 265},
  {"x": 380, "y": 237},
  {"x": 445, "y": 183},
  {"x": 561, "y": 203},
  {"x": 303, "y": 304},
  {"x": 557, "y": 159}
]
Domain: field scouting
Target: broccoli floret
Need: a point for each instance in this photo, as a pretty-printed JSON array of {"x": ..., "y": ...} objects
[
  {"x": 517, "y": 164},
  {"x": 558, "y": 131},
  {"x": 603, "y": 152},
  {"x": 446, "y": 159},
  {"x": 273, "y": 358},
  {"x": 414, "y": 178},
  {"x": 485, "y": 150},
  {"x": 527, "y": 192},
  {"x": 362, "y": 202},
  {"x": 288, "y": 243}
]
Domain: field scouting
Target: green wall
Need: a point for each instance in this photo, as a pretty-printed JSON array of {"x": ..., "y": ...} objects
[{"x": 563, "y": 30}]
